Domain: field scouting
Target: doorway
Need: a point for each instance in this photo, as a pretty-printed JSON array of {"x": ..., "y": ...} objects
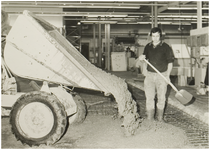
[{"x": 85, "y": 50}]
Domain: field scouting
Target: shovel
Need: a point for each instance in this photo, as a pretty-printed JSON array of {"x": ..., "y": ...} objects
[{"x": 182, "y": 96}]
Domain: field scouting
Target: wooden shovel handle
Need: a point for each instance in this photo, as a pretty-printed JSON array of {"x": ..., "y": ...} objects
[{"x": 161, "y": 75}]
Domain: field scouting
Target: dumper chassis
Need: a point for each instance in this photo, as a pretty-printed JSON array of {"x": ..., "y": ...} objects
[
  {"x": 37, "y": 51},
  {"x": 42, "y": 115}
]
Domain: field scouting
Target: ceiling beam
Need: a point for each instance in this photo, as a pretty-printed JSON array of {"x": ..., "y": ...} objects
[
  {"x": 161, "y": 9},
  {"x": 126, "y": 11},
  {"x": 79, "y": 3},
  {"x": 73, "y": 6}
]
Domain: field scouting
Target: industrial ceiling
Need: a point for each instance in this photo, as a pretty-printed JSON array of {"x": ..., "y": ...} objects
[{"x": 117, "y": 12}]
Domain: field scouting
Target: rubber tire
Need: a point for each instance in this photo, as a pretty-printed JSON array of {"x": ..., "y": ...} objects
[
  {"x": 81, "y": 113},
  {"x": 56, "y": 108}
]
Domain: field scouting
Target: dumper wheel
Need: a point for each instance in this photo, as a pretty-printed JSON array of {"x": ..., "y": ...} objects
[
  {"x": 81, "y": 113},
  {"x": 38, "y": 118}
]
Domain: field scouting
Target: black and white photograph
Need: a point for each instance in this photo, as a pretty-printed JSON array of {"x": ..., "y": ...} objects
[{"x": 104, "y": 74}]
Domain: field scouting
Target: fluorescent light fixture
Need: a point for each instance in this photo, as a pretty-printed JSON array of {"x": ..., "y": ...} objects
[
  {"x": 70, "y": 6},
  {"x": 127, "y": 23},
  {"x": 175, "y": 23},
  {"x": 74, "y": 14},
  {"x": 181, "y": 16},
  {"x": 144, "y": 22},
  {"x": 178, "y": 16},
  {"x": 179, "y": 8},
  {"x": 128, "y": 18},
  {"x": 134, "y": 16},
  {"x": 105, "y": 15},
  {"x": 116, "y": 7},
  {"x": 185, "y": 8},
  {"x": 178, "y": 19},
  {"x": 102, "y": 22},
  {"x": 172, "y": 23},
  {"x": 202, "y": 22}
]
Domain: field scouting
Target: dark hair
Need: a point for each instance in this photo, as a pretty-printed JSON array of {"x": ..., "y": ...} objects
[{"x": 156, "y": 29}]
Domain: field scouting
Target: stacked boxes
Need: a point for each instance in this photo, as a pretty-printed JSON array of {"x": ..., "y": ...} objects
[{"x": 199, "y": 42}]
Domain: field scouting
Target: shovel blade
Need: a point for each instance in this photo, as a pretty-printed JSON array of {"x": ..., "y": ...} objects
[{"x": 185, "y": 97}]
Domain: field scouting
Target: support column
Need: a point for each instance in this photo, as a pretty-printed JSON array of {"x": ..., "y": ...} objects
[
  {"x": 80, "y": 44},
  {"x": 156, "y": 14},
  {"x": 107, "y": 46},
  {"x": 94, "y": 41},
  {"x": 199, "y": 14},
  {"x": 99, "y": 46},
  {"x": 152, "y": 15}
]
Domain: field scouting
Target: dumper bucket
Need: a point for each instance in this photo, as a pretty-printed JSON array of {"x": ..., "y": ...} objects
[{"x": 36, "y": 50}]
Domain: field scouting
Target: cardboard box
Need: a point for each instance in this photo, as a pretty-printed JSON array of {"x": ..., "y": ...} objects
[
  {"x": 119, "y": 61},
  {"x": 205, "y": 40}
]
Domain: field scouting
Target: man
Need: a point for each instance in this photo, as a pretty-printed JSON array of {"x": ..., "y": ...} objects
[{"x": 161, "y": 56}]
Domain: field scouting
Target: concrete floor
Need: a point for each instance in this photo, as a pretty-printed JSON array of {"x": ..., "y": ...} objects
[
  {"x": 193, "y": 119},
  {"x": 81, "y": 136}
]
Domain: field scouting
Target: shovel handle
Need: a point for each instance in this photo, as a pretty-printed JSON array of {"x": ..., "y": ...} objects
[{"x": 161, "y": 75}]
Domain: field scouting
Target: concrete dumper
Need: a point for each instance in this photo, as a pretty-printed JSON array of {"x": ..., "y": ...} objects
[{"x": 36, "y": 50}]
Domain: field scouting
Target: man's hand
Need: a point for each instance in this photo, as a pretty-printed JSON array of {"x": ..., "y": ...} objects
[
  {"x": 144, "y": 72},
  {"x": 168, "y": 78},
  {"x": 142, "y": 57}
]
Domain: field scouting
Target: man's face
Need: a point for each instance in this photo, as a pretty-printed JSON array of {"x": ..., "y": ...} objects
[{"x": 156, "y": 37}]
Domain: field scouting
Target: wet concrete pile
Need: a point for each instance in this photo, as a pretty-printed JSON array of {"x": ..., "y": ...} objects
[{"x": 127, "y": 107}]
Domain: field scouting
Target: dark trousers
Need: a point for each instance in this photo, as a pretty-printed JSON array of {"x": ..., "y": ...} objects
[{"x": 206, "y": 80}]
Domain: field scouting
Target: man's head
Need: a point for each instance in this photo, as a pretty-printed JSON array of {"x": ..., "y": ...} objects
[
  {"x": 156, "y": 29},
  {"x": 156, "y": 34}
]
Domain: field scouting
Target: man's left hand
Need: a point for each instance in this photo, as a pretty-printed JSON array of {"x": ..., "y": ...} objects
[{"x": 168, "y": 78}]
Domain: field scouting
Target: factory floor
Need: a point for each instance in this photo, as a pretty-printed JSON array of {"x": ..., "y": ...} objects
[
  {"x": 101, "y": 129},
  {"x": 198, "y": 109}
]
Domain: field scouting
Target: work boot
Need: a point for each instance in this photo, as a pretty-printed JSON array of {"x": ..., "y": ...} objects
[
  {"x": 160, "y": 115},
  {"x": 150, "y": 114}
]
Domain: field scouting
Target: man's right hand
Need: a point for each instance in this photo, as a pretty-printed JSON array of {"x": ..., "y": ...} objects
[{"x": 142, "y": 57}]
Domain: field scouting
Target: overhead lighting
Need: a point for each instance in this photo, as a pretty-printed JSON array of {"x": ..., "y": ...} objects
[
  {"x": 127, "y": 23},
  {"x": 202, "y": 22},
  {"x": 144, "y": 22},
  {"x": 171, "y": 23},
  {"x": 185, "y": 8},
  {"x": 177, "y": 19},
  {"x": 102, "y": 22},
  {"x": 137, "y": 16},
  {"x": 175, "y": 23},
  {"x": 71, "y": 6},
  {"x": 110, "y": 16},
  {"x": 181, "y": 16},
  {"x": 111, "y": 7},
  {"x": 103, "y": 16}
]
